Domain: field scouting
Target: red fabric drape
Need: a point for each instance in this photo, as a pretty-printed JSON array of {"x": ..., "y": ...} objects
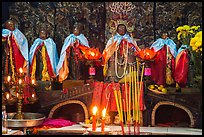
[
  {"x": 17, "y": 56},
  {"x": 158, "y": 67},
  {"x": 181, "y": 69},
  {"x": 49, "y": 66}
]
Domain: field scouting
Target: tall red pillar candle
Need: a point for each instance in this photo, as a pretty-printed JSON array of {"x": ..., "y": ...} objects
[
  {"x": 94, "y": 118},
  {"x": 103, "y": 120}
]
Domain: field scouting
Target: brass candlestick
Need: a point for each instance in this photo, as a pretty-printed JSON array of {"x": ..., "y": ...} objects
[
  {"x": 19, "y": 95},
  {"x": 14, "y": 92}
]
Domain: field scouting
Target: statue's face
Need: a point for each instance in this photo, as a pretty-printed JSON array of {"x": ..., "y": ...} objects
[
  {"x": 76, "y": 31},
  {"x": 121, "y": 29},
  {"x": 164, "y": 35},
  {"x": 43, "y": 34},
  {"x": 10, "y": 25}
]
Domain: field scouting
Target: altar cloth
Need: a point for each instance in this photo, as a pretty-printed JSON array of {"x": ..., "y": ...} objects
[{"x": 116, "y": 130}]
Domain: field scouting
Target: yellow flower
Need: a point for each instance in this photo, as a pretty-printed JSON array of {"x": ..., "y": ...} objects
[
  {"x": 191, "y": 31},
  {"x": 186, "y": 27},
  {"x": 199, "y": 34},
  {"x": 195, "y": 27},
  {"x": 194, "y": 48},
  {"x": 198, "y": 43},
  {"x": 190, "y": 36},
  {"x": 193, "y": 40},
  {"x": 179, "y": 35},
  {"x": 179, "y": 29}
]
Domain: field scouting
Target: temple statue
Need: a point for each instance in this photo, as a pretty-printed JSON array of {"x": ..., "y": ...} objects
[
  {"x": 118, "y": 56},
  {"x": 70, "y": 64},
  {"x": 43, "y": 58},
  {"x": 119, "y": 53},
  {"x": 164, "y": 61},
  {"x": 15, "y": 50}
]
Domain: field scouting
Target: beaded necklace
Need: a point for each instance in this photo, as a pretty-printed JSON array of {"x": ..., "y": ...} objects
[{"x": 125, "y": 56}]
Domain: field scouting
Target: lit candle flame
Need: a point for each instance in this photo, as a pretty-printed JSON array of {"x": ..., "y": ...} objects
[
  {"x": 20, "y": 81},
  {"x": 7, "y": 96},
  {"x": 33, "y": 95},
  {"x": 33, "y": 81},
  {"x": 21, "y": 70},
  {"x": 94, "y": 110},
  {"x": 17, "y": 95},
  {"x": 9, "y": 78},
  {"x": 104, "y": 113}
]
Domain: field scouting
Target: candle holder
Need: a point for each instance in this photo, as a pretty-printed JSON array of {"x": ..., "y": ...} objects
[
  {"x": 32, "y": 99},
  {"x": 13, "y": 92}
]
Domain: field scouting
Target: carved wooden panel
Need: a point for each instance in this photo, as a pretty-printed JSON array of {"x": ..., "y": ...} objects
[
  {"x": 59, "y": 18},
  {"x": 170, "y": 15}
]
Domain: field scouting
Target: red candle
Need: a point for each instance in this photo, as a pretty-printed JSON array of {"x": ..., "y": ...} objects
[
  {"x": 94, "y": 118},
  {"x": 103, "y": 120}
]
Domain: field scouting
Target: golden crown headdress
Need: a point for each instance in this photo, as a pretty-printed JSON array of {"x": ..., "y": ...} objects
[{"x": 121, "y": 13}]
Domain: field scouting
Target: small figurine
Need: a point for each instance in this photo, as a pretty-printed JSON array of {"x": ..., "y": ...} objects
[
  {"x": 15, "y": 50},
  {"x": 70, "y": 65},
  {"x": 43, "y": 58},
  {"x": 164, "y": 61}
]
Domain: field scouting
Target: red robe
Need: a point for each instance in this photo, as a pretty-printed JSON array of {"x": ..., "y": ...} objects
[
  {"x": 181, "y": 68},
  {"x": 158, "y": 67},
  {"x": 49, "y": 66},
  {"x": 18, "y": 59}
]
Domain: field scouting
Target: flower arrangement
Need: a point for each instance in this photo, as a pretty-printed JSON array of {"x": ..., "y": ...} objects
[
  {"x": 191, "y": 36},
  {"x": 185, "y": 33},
  {"x": 196, "y": 42}
]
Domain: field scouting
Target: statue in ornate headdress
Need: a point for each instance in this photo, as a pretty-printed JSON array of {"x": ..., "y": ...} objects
[
  {"x": 15, "y": 50},
  {"x": 164, "y": 61},
  {"x": 70, "y": 64},
  {"x": 120, "y": 49},
  {"x": 43, "y": 58}
]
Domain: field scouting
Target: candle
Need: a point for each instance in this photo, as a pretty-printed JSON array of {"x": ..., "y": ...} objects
[
  {"x": 103, "y": 120},
  {"x": 21, "y": 70},
  {"x": 33, "y": 82},
  {"x": 33, "y": 95},
  {"x": 20, "y": 81},
  {"x": 9, "y": 78},
  {"x": 7, "y": 96},
  {"x": 17, "y": 95},
  {"x": 94, "y": 118}
]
